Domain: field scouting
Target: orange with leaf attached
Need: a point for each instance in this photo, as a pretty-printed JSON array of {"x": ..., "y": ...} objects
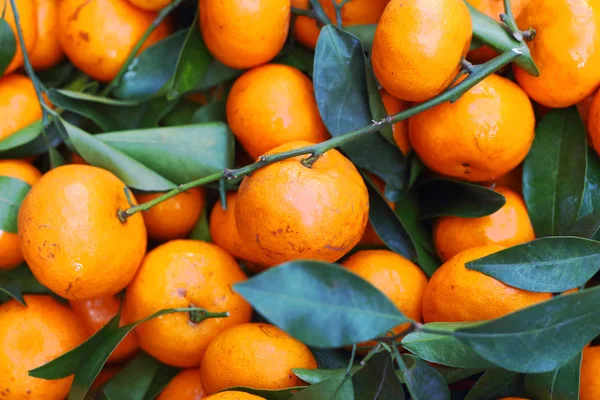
[{"x": 28, "y": 21}]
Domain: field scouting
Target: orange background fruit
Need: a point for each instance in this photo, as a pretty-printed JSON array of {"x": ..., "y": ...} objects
[
  {"x": 47, "y": 51},
  {"x": 233, "y": 395},
  {"x": 151, "y": 5},
  {"x": 28, "y": 19},
  {"x": 186, "y": 385},
  {"x": 594, "y": 123},
  {"x": 17, "y": 99},
  {"x": 589, "y": 388}
]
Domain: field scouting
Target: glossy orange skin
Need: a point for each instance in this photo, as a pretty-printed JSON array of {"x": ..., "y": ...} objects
[
  {"x": 31, "y": 337},
  {"x": 370, "y": 237},
  {"x": 151, "y": 5},
  {"x": 418, "y": 46},
  {"x": 94, "y": 314},
  {"x": 180, "y": 274},
  {"x": 19, "y": 106},
  {"x": 28, "y": 19},
  {"x": 482, "y": 136},
  {"x": 507, "y": 227},
  {"x": 10, "y": 253},
  {"x": 272, "y": 105},
  {"x": 457, "y": 294},
  {"x": 186, "y": 385},
  {"x": 594, "y": 123},
  {"x": 173, "y": 218},
  {"x": 233, "y": 395},
  {"x": 47, "y": 51},
  {"x": 244, "y": 33},
  {"x": 286, "y": 211},
  {"x": 257, "y": 355},
  {"x": 589, "y": 385},
  {"x": 98, "y": 35},
  {"x": 306, "y": 31},
  {"x": 566, "y": 50},
  {"x": 71, "y": 237}
]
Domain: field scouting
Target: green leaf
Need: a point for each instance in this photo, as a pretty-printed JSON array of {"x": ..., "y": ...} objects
[
  {"x": 10, "y": 287},
  {"x": 560, "y": 384},
  {"x": 330, "y": 358},
  {"x": 341, "y": 92},
  {"x": 337, "y": 388},
  {"x": 377, "y": 380},
  {"x": 8, "y": 45},
  {"x": 201, "y": 230},
  {"x": 181, "y": 114},
  {"x": 12, "y": 194},
  {"x": 320, "y": 304},
  {"x": 180, "y": 154},
  {"x": 553, "y": 264},
  {"x": 444, "y": 197},
  {"x": 364, "y": 33},
  {"x": 540, "y": 338},
  {"x": 494, "y": 384},
  {"x": 453, "y": 375},
  {"x": 314, "y": 376},
  {"x": 554, "y": 172},
  {"x": 28, "y": 141},
  {"x": 298, "y": 57},
  {"x": 133, "y": 381},
  {"x": 443, "y": 348},
  {"x": 387, "y": 225},
  {"x": 281, "y": 394},
  {"x": 162, "y": 378},
  {"x": 423, "y": 381},
  {"x": 61, "y": 75},
  {"x": 376, "y": 105},
  {"x": 194, "y": 59},
  {"x": 587, "y": 227},
  {"x": 24, "y": 280},
  {"x": 150, "y": 71},
  {"x": 215, "y": 74},
  {"x": 591, "y": 194},
  {"x": 215, "y": 111}
]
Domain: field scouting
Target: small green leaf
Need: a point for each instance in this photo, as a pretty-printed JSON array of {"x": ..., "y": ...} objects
[
  {"x": 540, "y": 338},
  {"x": 314, "y": 376},
  {"x": 554, "y": 172},
  {"x": 377, "y": 380},
  {"x": 423, "y": 381},
  {"x": 494, "y": 384},
  {"x": 215, "y": 111},
  {"x": 330, "y": 358},
  {"x": 56, "y": 159},
  {"x": 553, "y": 264},
  {"x": 10, "y": 287},
  {"x": 587, "y": 227},
  {"x": 560, "y": 384},
  {"x": 591, "y": 194},
  {"x": 28, "y": 141},
  {"x": 8, "y": 45},
  {"x": 320, "y": 304},
  {"x": 444, "y": 197},
  {"x": 133, "y": 381},
  {"x": 201, "y": 230},
  {"x": 12, "y": 194},
  {"x": 337, "y": 388},
  {"x": 281, "y": 394}
]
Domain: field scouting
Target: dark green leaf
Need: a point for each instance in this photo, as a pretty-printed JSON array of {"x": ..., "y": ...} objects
[
  {"x": 181, "y": 114},
  {"x": 444, "y": 197},
  {"x": 561, "y": 384},
  {"x": 25, "y": 280},
  {"x": 215, "y": 74},
  {"x": 281, "y": 394},
  {"x": 162, "y": 378},
  {"x": 314, "y": 376},
  {"x": 554, "y": 172},
  {"x": 192, "y": 63},
  {"x": 12, "y": 194},
  {"x": 299, "y": 58},
  {"x": 64, "y": 74},
  {"x": 8, "y": 45},
  {"x": 364, "y": 33},
  {"x": 149, "y": 72},
  {"x": 320, "y": 304},
  {"x": 540, "y": 338},
  {"x": 423, "y": 381},
  {"x": 453, "y": 375},
  {"x": 553, "y": 264},
  {"x": 330, "y": 358},
  {"x": 28, "y": 141},
  {"x": 494, "y": 384},
  {"x": 201, "y": 230},
  {"x": 591, "y": 194},
  {"x": 10, "y": 287},
  {"x": 133, "y": 381},
  {"x": 215, "y": 111},
  {"x": 337, "y": 388},
  {"x": 377, "y": 380},
  {"x": 443, "y": 348},
  {"x": 342, "y": 97},
  {"x": 587, "y": 227},
  {"x": 378, "y": 111}
]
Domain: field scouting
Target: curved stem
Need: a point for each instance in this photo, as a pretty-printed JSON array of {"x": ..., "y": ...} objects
[{"x": 198, "y": 316}]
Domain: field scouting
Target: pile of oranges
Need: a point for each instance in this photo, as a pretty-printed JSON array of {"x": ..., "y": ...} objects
[{"x": 70, "y": 237}]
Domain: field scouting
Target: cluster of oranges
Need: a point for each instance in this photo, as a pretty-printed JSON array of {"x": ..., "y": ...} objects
[{"x": 75, "y": 245}]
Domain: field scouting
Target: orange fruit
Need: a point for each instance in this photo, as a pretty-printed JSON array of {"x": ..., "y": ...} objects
[
  {"x": 370, "y": 237},
  {"x": 272, "y": 105},
  {"x": 594, "y": 123},
  {"x": 393, "y": 106},
  {"x": 71, "y": 237},
  {"x": 77, "y": 159},
  {"x": 584, "y": 108},
  {"x": 396, "y": 277},
  {"x": 286, "y": 211},
  {"x": 483, "y": 135},
  {"x": 173, "y": 218},
  {"x": 589, "y": 385},
  {"x": 10, "y": 253},
  {"x": 243, "y": 35},
  {"x": 19, "y": 101},
  {"x": 180, "y": 274},
  {"x": 151, "y": 5},
  {"x": 458, "y": 294},
  {"x": 186, "y": 385},
  {"x": 233, "y": 395},
  {"x": 512, "y": 180},
  {"x": 98, "y": 35},
  {"x": 31, "y": 337},
  {"x": 47, "y": 51},
  {"x": 28, "y": 19},
  {"x": 257, "y": 355},
  {"x": 508, "y": 226},
  {"x": 94, "y": 314},
  {"x": 418, "y": 46},
  {"x": 565, "y": 49},
  {"x": 306, "y": 30}
]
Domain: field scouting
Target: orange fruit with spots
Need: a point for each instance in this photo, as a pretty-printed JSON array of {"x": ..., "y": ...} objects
[
  {"x": 173, "y": 218},
  {"x": 455, "y": 139},
  {"x": 151, "y": 5},
  {"x": 30, "y": 337},
  {"x": 17, "y": 99},
  {"x": 180, "y": 274},
  {"x": 458, "y": 294},
  {"x": 589, "y": 385},
  {"x": 98, "y": 35},
  {"x": 418, "y": 46},
  {"x": 186, "y": 385},
  {"x": 508, "y": 226},
  {"x": 47, "y": 51},
  {"x": 566, "y": 49},
  {"x": 257, "y": 355},
  {"x": 95, "y": 314},
  {"x": 243, "y": 34},
  {"x": 28, "y": 20},
  {"x": 594, "y": 123},
  {"x": 272, "y": 105},
  {"x": 10, "y": 253},
  {"x": 233, "y": 395},
  {"x": 71, "y": 237},
  {"x": 287, "y": 211}
]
